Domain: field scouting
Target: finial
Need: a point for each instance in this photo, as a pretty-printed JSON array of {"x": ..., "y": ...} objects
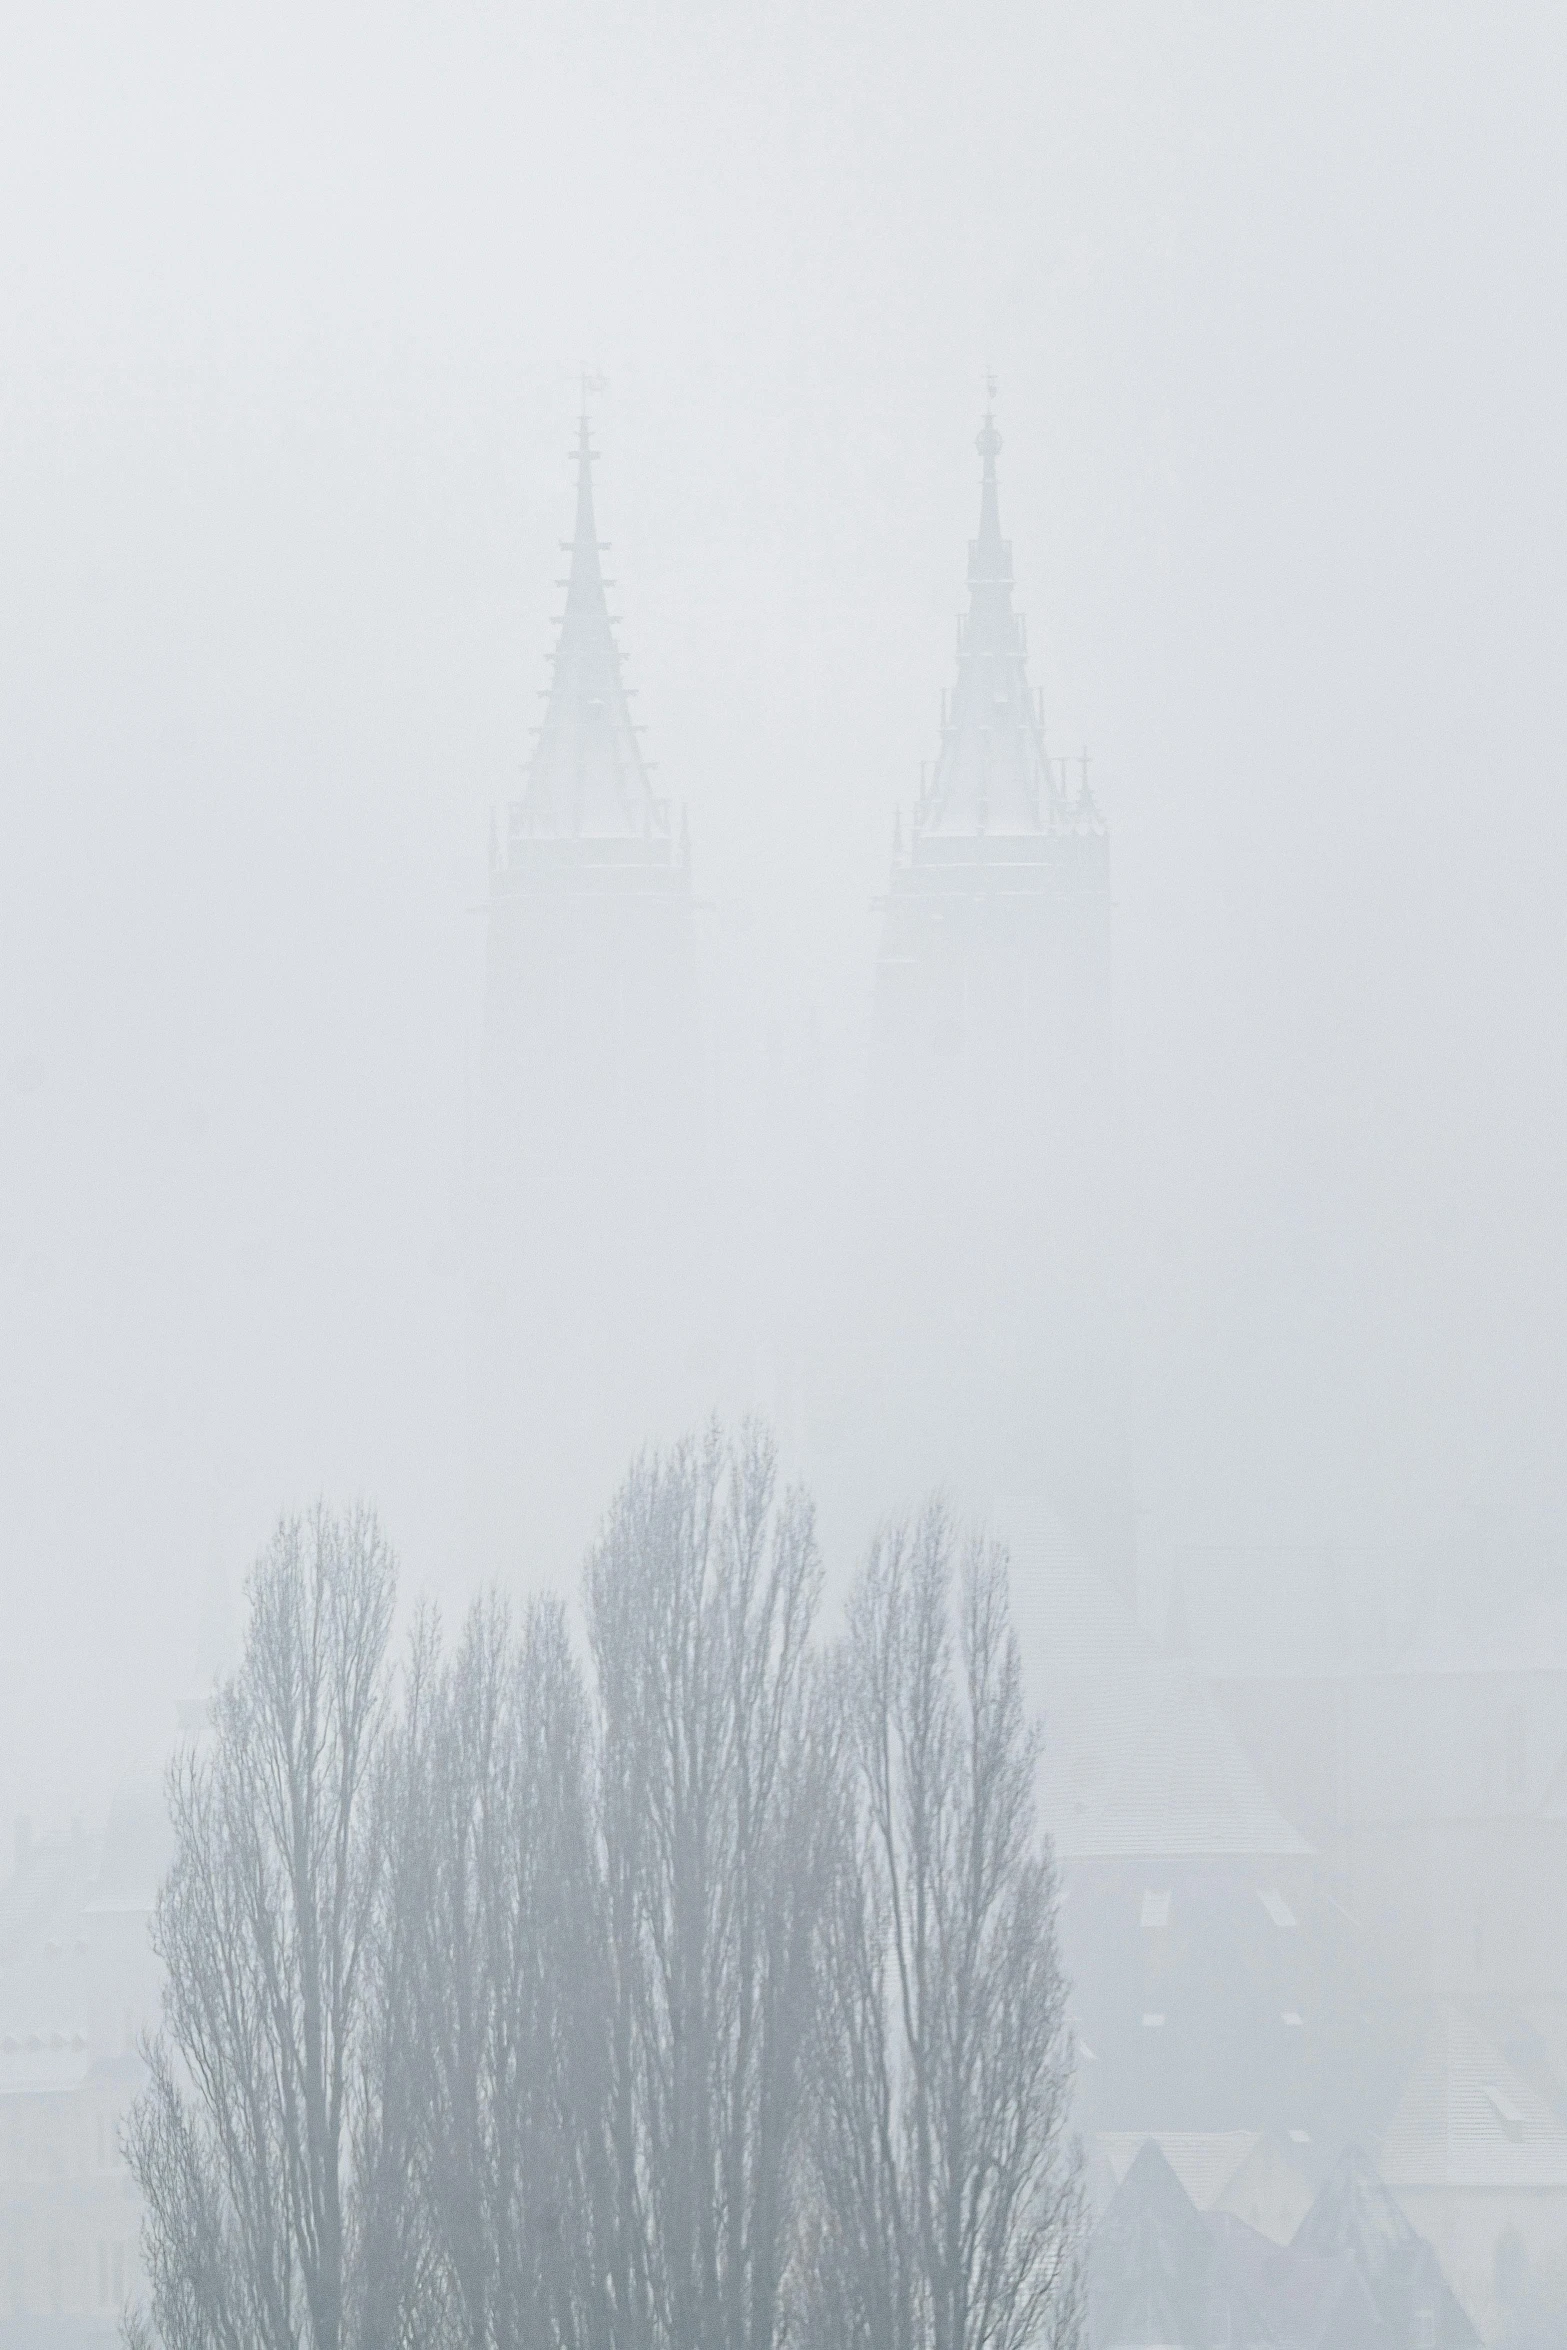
[{"x": 989, "y": 441}]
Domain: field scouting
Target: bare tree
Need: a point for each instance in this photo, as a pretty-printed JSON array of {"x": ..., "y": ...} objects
[
  {"x": 271, "y": 2143},
  {"x": 513, "y": 1983},
  {"x": 713, "y": 1774},
  {"x": 946, "y": 2212}
]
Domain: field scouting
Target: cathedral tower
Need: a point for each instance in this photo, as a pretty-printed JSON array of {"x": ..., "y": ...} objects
[
  {"x": 591, "y": 1099},
  {"x": 991, "y": 1101}
]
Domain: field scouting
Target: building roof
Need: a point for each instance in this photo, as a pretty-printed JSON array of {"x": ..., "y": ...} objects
[
  {"x": 138, "y": 1849},
  {"x": 586, "y": 780},
  {"x": 993, "y": 776},
  {"x": 1139, "y": 1761},
  {"x": 1357, "y": 2214},
  {"x": 1468, "y": 2117},
  {"x": 1302, "y": 2302},
  {"x": 1205, "y": 2161},
  {"x": 1145, "y": 1766},
  {"x": 79, "y": 1977},
  {"x": 43, "y": 2062},
  {"x": 1356, "y": 2277},
  {"x": 1151, "y": 2263}
]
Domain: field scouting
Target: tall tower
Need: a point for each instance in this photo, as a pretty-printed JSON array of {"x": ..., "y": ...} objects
[
  {"x": 591, "y": 1109},
  {"x": 990, "y": 1098}
]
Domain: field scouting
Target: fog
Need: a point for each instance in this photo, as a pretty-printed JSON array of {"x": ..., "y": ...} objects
[
  {"x": 1261, "y": 1340},
  {"x": 295, "y": 313}
]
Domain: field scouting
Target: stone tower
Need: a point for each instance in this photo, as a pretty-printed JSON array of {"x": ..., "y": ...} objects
[
  {"x": 587, "y": 1292},
  {"x": 990, "y": 1102}
]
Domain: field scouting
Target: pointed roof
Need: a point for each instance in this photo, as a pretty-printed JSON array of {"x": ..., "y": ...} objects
[
  {"x": 586, "y": 779},
  {"x": 993, "y": 774},
  {"x": 1150, "y": 2265},
  {"x": 1205, "y": 2161},
  {"x": 1469, "y": 2118},
  {"x": 1302, "y": 2303},
  {"x": 1357, "y": 2214},
  {"x": 1139, "y": 1761}
]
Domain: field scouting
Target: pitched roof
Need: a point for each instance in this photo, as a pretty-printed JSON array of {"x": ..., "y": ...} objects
[
  {"x": 1204, "y": 2161},
  {"x": 43, "y": 2062},
  {"x": 1139, "y": 1761},
  {"x": 1469, "y": 2118},
  {"x": 993, "y": 775},
  {"x": 1150, "y": 2268},
  {"x": 1141, "y": 1764},
  {"x": 1357, "y": 2214},
  {"x": 586, "y": 779},
  {"x": 1305, "y": 2303},
  {"x": 1158, "y": 1773}
]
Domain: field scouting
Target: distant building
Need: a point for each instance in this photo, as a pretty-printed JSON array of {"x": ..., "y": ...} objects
[
  {"x": 1428, "y": 1762},
  {"x": 1266, "y": 2180},
  {"x": 79, "y": 1985},
  {"x": 1218, "y": 1992},
  {"x": 1314, "y": 1900},
  {"x": 587, "y": 1280},
  {"x": 989, "y": 1225},
  {"x": 1356, "y": 2275},
  {"x": 1476, "y": 2153}
]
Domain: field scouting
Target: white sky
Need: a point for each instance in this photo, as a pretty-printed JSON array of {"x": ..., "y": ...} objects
[{"x": 292, "y": 305}]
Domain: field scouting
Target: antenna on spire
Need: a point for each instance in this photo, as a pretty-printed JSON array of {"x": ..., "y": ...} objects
[
  {"x": 591, "y": 383},
  {"x": 991, "y": 386}
]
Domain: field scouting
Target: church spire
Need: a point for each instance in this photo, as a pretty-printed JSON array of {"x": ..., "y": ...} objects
[
  {"x": 993, "y": 774},
  {"x": 586, "y": 779}
]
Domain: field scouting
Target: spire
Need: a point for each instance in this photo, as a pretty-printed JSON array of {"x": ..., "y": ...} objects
[
  {"x": 586, "y": 779},
  {"x": 993, "y": 774}
]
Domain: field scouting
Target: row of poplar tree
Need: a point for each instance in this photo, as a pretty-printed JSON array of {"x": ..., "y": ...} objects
[{"x": 698, "y": 1991}]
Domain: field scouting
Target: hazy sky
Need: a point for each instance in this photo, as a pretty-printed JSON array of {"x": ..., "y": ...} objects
[{"x": 292, "y": 308}]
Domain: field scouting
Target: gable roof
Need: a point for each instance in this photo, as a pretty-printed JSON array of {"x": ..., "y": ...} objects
[
  {"x": 1304, "y": 2302},
  {"x": 1357, "y": 2214},
  {"x": 1139, "y": 1761},
  {"x": 1204, "y": 2161},
  {"x": 1146, "y": 1766},
  {"x": 1150, "y": 2266},
  {"x": 1469, "y": 2118}
]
